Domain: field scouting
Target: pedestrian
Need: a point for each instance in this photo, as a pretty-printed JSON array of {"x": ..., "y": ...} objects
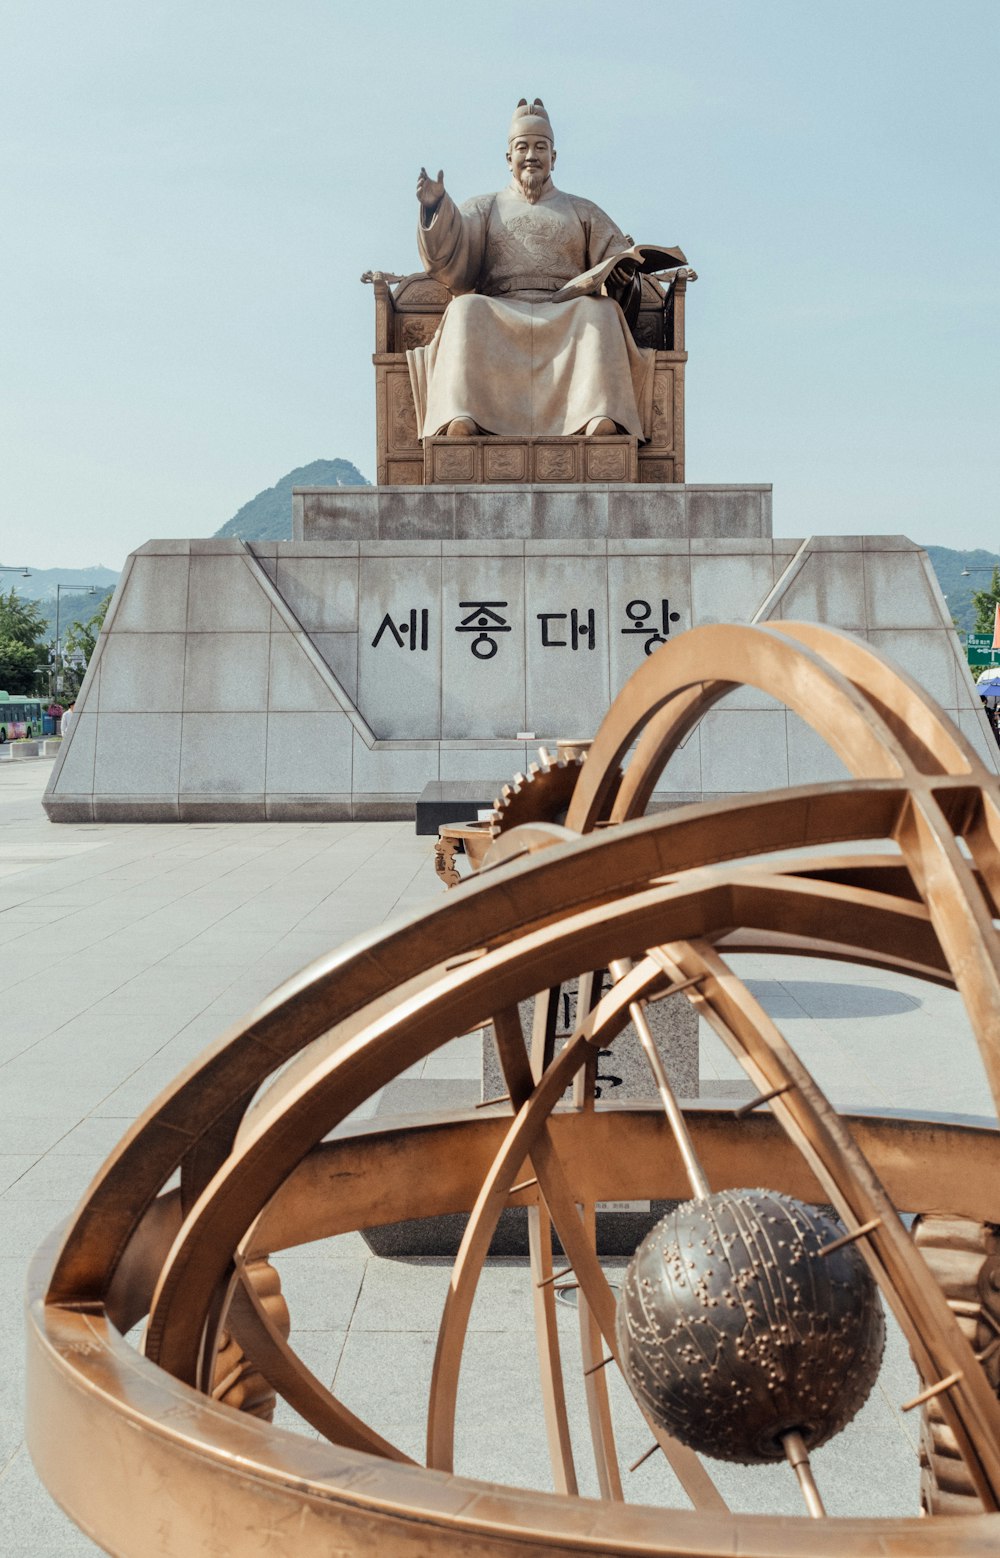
[{"x": 69, "y": 715}]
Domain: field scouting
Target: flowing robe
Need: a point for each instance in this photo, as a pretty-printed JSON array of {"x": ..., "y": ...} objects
[{"x": 502, "y": 355}]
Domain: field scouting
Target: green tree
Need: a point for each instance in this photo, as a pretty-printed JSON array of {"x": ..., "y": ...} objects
[
  {"x": 81, "y": 640},
  {"x": 22, "y": 650},
  {"x": 985, "y": 603}
]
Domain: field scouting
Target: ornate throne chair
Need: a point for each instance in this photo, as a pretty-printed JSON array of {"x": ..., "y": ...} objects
[{"x": 408, "y": 310}]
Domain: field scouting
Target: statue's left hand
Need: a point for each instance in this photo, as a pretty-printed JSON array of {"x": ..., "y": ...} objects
[{"x": 430, "y": 192}]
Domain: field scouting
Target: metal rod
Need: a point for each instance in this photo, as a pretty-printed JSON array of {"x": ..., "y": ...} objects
[
  {"x": 700, "y": 1187},
  {"x": 525, "y": 1184},
  {"x": 651, "y": 1451},
  {"x": 932, "y": 1390},
  {"x": 501, "y": 1098},
  {"x": 798, "y": 1459},
  {"x": 849, "y": 1238},
  {"x": 762, "y": 1098},
  {"x": 554, "y": 1277},
  {"x": 594, "y": 1367}
]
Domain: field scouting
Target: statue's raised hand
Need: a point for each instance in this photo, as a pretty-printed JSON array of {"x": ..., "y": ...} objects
[{"x": 430, "y": 192}]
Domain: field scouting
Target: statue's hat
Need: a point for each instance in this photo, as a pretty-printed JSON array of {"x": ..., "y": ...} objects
[{"x": 530, "y": 119}]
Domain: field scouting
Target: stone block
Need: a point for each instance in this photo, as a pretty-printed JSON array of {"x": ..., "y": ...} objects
[
  {"x": 641, "y": 512},
  {"x": 225, "y": 597},
  {"x": 321, "y": 591},
  {"x": 810, "y": 758},
  {"x": 897, "y": 591},
  {"x": 649, "y": 601},
  {"x": 320, "y": 519},
  {"x": 977, "y": 733},
  {"x": 167, "y": 546},
  {"x": 297, "y": 808},
  {"x": 216, "y": 546},
  {"x": 650, "y": 546},
  {"x": 743, "y": 750},
  {"x": 308, "y": 754},
  {"x": 496, "y": 763},
  {"x": 623, "y": 1070},
  {"x": 137, "y": 754},
  {"x": 482, "y": 651},
  {"x": 478, "y": 548},
  {"x": 568, "y": 513},
  {"x": 399, "y": 645},
  {"x": 735, "y": 546},
  {"x": 223, "y": 754},
  {"x": 399, "y": 549},
  {"x": 316, "y": 549},
  {"x": 294, "y": 684},
  {"x": 749, "y": 698},
  {"x": 70, "y": 808},
  {"x": 485, "y": 515},
  {"x": 578, "y": 546},
  {"x": 726, "y": 511},
  {"x": 382, "y": 808},
  {"x": 141, "y": 671},
  {"x": 682, "y": 775},
  {"x": 928, "y": 656},
  {"x": 402, "y": 768},
  {"x": 226, "y": 672},
  {"x": 150, "y": 808},
  {"x": 154, "y": 595},
  {"x": 729, "y": 587},
  {"x": 222, "y": 806},
  {"x": 340, "y": 651},
  {"x": 568, "y": 688},
  {"x": 413, "y": 516},
  {"x": 829, "y": 587},
  {"x": 74, "y": 771}
]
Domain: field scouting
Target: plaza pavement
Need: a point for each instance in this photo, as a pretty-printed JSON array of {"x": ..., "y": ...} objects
[{"x": 125, "y": 949}]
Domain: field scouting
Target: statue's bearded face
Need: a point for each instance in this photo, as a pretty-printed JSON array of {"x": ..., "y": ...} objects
[{"x": 532, "y": 159}]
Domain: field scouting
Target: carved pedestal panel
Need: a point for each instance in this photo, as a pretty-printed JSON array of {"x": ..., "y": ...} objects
[{"x": 526, "y": 460}]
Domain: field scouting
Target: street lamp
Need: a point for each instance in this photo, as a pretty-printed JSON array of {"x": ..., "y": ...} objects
[
  {"x": 24, "y": 572},
  {"x": 70, "y": 589}
]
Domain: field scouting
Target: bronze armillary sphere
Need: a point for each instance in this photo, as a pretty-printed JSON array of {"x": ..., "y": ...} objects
[{"x": 136, "y": 1448}]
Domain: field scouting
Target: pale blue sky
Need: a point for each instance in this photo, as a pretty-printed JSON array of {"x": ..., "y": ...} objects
[{"x": 190, "y": 192}]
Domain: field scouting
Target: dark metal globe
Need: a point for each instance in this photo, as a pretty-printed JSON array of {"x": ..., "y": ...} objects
[{"x": 734, "y": 1330}]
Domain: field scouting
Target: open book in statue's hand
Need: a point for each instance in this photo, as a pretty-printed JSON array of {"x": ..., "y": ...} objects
[{"x": 644, "y": 257}]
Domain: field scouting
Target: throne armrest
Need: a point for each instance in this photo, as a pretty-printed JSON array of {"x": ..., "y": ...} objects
[{"x": 385, "y": 308}]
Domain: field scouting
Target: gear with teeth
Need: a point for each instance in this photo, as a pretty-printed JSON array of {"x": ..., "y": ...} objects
[{"x": 542, "y": 794}]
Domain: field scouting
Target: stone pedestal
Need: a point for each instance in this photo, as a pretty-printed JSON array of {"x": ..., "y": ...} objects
[
  {"x": 409, "y": 635},
  {"x": 623, "y": 1071}
]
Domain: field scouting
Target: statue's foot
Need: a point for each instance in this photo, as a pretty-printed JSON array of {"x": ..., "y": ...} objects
[
  {"x": 600, "y": 427},
  {"x": 462, "y": 427}
]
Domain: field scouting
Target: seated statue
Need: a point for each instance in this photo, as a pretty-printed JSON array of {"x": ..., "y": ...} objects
[{"x": 513, "y": 356}]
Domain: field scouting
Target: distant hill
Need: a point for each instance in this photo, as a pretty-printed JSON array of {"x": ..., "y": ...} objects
[
  {"x": 948, "y": 565},
  {"x": 268, "y": 516}
]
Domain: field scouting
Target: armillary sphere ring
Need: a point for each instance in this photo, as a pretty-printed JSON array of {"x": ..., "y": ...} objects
[{"x": 133, "y": 1444}]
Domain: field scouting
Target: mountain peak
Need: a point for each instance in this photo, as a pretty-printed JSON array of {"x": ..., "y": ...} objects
[{"x": 268, "y": 516}]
